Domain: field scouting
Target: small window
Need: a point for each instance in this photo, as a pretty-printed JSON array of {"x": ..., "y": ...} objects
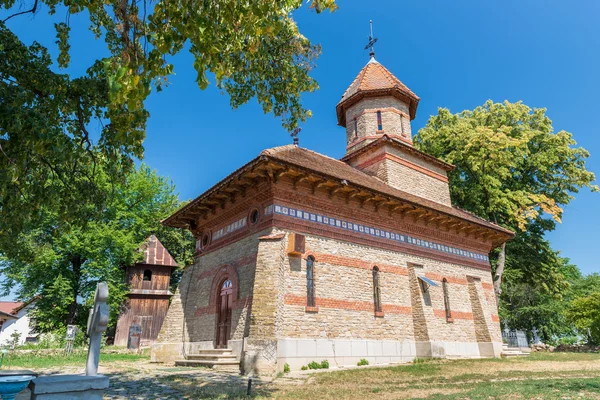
[
  {"x": 310, "y": 282},
  {"x": 446, "y": 300},
  {"x": 227, "y": 284},
  {"x": 205, "y": 240},
  {"x": 147, "y": 275},
  {"x": 379, "y": 123},
  {"x": 355, "y": 128},
  {"x": 376, "y": 290},
  {"x": 254, "y": 215}
]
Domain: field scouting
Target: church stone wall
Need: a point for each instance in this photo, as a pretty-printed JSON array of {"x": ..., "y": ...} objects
[
  {"x": 395, "y": 119},
  {"x": 344, "y": 328},
  {"x": 192, "y": 315},
  {"x": 406, "y": 172}
]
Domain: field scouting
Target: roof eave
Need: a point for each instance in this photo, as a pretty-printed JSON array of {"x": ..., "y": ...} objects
[
  {"x": 344, "y": 104},
  {"x": 446, "y": 166},
  {"x": 172, "y": 219}
]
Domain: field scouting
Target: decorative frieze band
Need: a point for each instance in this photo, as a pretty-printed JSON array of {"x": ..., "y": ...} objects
[{"x": 371, "y": 231}]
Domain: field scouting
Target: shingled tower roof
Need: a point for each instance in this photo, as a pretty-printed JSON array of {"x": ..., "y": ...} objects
[
  {"x": 156, "y": 254},
  {"x": 375, "y": 80}
]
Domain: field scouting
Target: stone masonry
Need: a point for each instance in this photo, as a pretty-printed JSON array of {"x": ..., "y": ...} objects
[{"x": 385, "y": 205}]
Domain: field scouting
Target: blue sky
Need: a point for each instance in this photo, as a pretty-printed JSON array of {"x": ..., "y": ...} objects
[{"x": 453, "y": 54}]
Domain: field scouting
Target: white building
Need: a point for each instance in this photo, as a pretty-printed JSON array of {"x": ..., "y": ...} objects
[{"x": 14, "y": 317}]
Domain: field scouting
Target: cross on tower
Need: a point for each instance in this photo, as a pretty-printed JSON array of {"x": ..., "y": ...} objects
[
  {"x": 372, "y": 41},
  {"x": 294, "y": 135}
]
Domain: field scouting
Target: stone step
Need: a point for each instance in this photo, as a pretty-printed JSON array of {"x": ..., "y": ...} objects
[
  {"x": 514, "y": 354},
  {"x": 218, "y": 365},
  {"x": 211, "y": 357},
  {"x": 213, "y": 351}
]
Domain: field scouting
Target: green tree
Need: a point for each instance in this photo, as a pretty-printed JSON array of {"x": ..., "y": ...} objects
[
  {"x": 48, "y": 155},
  {"x": 62, "y": 262},
  {"x": 511, "y": 166},
  {"x": 584, "y": 312}
]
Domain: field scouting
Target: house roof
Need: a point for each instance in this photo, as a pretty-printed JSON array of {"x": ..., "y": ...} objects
[
  {"x": 156, "y": 254},
  {"x": 334, "y": 170},
  {"x": 10, "y": 307},
  {"x": 4, "y": 316},
  {"x": 375, "y": 80}
]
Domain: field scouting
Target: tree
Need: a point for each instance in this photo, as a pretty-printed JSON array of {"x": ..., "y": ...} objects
[
  {"x": 537, "y": 287},
  {"x": 48, "y": 158},
  {"x": 584, "y": 312},
  {"x": 511, "y": 167},
  {"x": 62, "y": 262}
]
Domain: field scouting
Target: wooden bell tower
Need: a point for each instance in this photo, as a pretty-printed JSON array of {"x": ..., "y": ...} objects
[{"x": 148, "y": 299}]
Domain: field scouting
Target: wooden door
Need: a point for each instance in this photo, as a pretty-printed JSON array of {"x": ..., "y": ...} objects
[{"x": 224, "y": 314}]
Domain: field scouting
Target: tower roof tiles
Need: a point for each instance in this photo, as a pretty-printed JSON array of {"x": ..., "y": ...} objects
[{"x": 375, "y": 80}]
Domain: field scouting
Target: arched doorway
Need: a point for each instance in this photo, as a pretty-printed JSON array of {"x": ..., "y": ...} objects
[{"x": 225, "y": 302}]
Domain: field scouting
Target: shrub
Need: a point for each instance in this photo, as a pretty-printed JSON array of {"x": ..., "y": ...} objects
[
  {"x": 363, "y": 361},
  {"x": 304, "y": 368},
  {"x": 314, "y": 365},
  {"x": 286, "y": 368},
  {"x": 325, "y": 364}
]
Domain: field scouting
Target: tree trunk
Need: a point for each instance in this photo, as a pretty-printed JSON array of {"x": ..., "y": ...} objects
[
  {"x": 76, "y": 262},
  {"x": 500, "y": 270}
]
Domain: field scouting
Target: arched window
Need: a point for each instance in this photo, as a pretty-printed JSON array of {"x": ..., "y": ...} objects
[
  {"x": 376, "y": 290},
  {"x": 446, "y": 300},
  {"x": 379, "y": 123},
  {"x": 226, "y": 285},
  {"x": 147, "y": 275},
  {"x": 310, "y": 282}
]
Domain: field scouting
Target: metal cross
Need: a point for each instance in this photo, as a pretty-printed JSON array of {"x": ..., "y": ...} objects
[
  {"x": 372, "y": 41},
  {"x": 294, "y": 134}
]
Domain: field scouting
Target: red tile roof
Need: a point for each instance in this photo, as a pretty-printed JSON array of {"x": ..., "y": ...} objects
[
  {"x": 10, "y": 307},
  {"x": 156, "y": 254},
  {"x": 375, "y": 79},
  {"x": 331, "y": 168},
  {"x": 320, "y": 163}
]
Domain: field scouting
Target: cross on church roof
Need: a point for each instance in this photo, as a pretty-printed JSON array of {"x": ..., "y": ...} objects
[
  {"x": 372, "y": 41},
  {"x": 294, "y": 135}
]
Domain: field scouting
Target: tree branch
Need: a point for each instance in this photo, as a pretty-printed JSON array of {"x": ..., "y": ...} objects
[{"x": 33, "y": 10}]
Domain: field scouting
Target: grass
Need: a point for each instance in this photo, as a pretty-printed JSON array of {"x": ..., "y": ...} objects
[
  {"x": 540, "y": 376},
  {"x": 78, "y": 357}
]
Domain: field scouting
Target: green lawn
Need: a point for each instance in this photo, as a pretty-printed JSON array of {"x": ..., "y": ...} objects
[
  {"x": 35, "y": 361},
  {"x": 540, "y": 376}
]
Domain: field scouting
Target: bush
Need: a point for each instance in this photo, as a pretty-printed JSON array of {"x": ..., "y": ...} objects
[
  {"x": 286, "y": 368},
  {"x": 363, "y": 361},
  {"x": 569, "y": 340},
  {"x": 314, "y": 365},
  {"x": 304, "y": 368}
]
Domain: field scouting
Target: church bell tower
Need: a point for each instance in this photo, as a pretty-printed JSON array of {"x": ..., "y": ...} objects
[{"x": 377, "y": 110}]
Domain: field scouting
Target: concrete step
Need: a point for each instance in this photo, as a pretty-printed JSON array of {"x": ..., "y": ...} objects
[
  {"x": 214, "y": 351},
  {"x": 211, "y": 357},
  {"x": 514, "y": 354},
  {"x": 214, "y": 364}
]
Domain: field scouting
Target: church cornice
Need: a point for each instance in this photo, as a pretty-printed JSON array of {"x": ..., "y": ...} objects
[
  {"x": 319, "y": 173},
  {"x": 385, "y": 139}
]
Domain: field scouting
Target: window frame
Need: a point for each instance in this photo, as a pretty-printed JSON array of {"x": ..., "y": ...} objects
[
  {"x": 310, "y": 282},
  {"x": 377, "y": 290},
  {"x": 446, "y": 294},
  {"x": 147, "y": 274}
]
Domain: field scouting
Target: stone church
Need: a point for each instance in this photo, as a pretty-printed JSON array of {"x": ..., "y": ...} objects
[{"x": 301, "y": 257}]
